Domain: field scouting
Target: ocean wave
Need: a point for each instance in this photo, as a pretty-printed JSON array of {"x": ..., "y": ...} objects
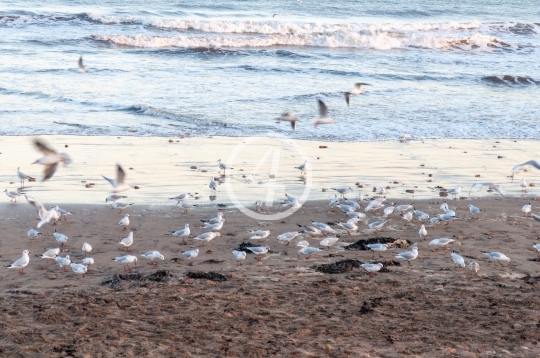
[
  {"x": 377, "y": 42},
  {"x": 510, "y": 80},
  {"x": 148, "y": 110}
]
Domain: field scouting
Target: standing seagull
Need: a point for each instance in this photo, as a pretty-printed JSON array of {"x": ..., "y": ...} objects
[
  {"x": 21, "y": 263},
  {"x": 182, "y": 233},
  {"x": 371, "y": 268},
  {"x": 223, "y": 166},
  {"x": 408, "y": 255},
  {"x": 80, "y": 64},
  {"x": 51, "y": 158},
  {"x": 127, "y": 241},
  {"x": 302, "y": 168},
  {"x": 124, "y": 221},
  {"x": 86, "y": 248},
  {"x": 12, "y": 194},
  {"x": 191, "y": 254},
  {"x": 355, "y": 90},
  {"x": 288, "y": 117},
  {"x": 239, "y": 256},
  {"x": 323, "y": 117},
  {"x": 422, "y": 232},
  {"x": 523, "y": 186},
  {"x": 458, "y": 259},
  {"x": 118, "y": 184},
  {"x": 497, "y": 256},
  {"x": 22, "y": 177},
  {"x": 212, "y": 186},
  {"x": 79, "y": 269}
]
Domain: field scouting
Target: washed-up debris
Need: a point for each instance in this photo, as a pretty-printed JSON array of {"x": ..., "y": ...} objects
[
  {"x": 361, "y": 244},
  {"x": 213, "y": 261},
  {"x": 158, "y": 276},
  {"x": 386, "y": 264},
  {"x": 338, "y": 267},
  {"x": 211, "y": 275},
  {"x": 244, "y": 245}
]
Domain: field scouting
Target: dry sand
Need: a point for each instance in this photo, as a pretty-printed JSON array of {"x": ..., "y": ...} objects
[{"x": 279, "y": 306}]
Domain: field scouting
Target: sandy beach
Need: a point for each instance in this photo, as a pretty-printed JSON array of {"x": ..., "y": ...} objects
[{"x": 281, "y": 305}]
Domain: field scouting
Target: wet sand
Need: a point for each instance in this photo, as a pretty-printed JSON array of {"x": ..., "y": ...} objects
[{"x": 279, "y": 306}]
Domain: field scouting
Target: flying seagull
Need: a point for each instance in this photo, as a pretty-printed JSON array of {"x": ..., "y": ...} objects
[
  {"x": 525, "y": 166},
  {"x": 355, "y": 90},
  {"x": 323, "y": 117},
  {"x": 118, "y": 184},
  {"x": 288, "y": 117},
  {"x": 51, "y": 158},
  {"x": 81, "y": 69}
]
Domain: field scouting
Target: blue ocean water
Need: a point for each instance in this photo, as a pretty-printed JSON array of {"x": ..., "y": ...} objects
[{"x": 438, "y": 69}]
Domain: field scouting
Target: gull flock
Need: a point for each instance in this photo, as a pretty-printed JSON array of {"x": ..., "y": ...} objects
[{"x": 327, "y": 234}]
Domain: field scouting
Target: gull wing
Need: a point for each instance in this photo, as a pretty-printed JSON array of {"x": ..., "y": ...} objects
[
  {"x": 111, "y": 181},
  {"x": 42, "y": 147},
  {"x": 323, "y": 110},
  {"x": 81, "y": 66},
  {"x": 120, "y": 175},
  {"x": 49, "y": 171}
]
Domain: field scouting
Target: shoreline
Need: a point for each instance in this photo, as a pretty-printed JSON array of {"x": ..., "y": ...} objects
[{"x": 162, "y": 169}]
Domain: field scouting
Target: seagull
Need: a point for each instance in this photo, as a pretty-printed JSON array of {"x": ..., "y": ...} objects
[
  {"x": 287, "y": 237},
  {"x": 329, "y": 241},
  {"x": 50, "y": 254},
  {"x": 458, "y": 260},
  {"x": 303, "y": 243},
  {"x": 343, "y": 191},
  {"x": 21, "y": 263},
  {"x": 377, "y": 247},
  {"x": 421, "y": 215},
  {"x": 345, "y": 208},
  {"x": 323, "y": 115},
  {"x": 400, "y": 209},
  {"x": 49, "y": 217},
  {"x": 126, "y": 260},
  {"x": 60, "y": 237},
  {"x": 88, "y": 261},
  {"x": 473, "y": 266},
  {"x": 183, "y": 233},
  {"x": 185, "y": 206},
  {"x": 288, "y": 117},
  {"x": 239, "y": 256},
  {"x": 51, "y": 158},
  {"x": 212, "y": 186},
  {"x": 352, "y": 203},
  {"x": 434, "y": 220},
  {"x": 408, "y": 216},
  {"x": 40, "y": 208},
  {"x": 22, "y": 177},
  {"x": 152, "y": 255},
  {"x": 405, "y": 138},
  {"x": 324, "y": 227},
  {"x": 355, "y": 90},
  {"x": 447, "y": 217},
  {"x": 259, "y": 250},
  {"x": 377, "y": 225},
  {"x": 311, "y": 231},
  {"x": 474, "y": 210},
  {"x": 443, "y": 241},
  {"x": 63, "y": 213},
  {"x": 182, "y": 197},
  {"x": 214, "y": 227},
  {"x": 374, "y": 205},
  {"x": 454, "y": 192},
  {"x": 86, "y": 248},
  {"x": 422, "y": 232},
  {"x": 12, "y": 194},
  {"x": 523, "y": 186},
  {"x": 114, "y": 197},
  {"x": 214, "y": 220},
  {"x": 355, "y": 214},
  {"x": 526, "y": 209},
  {"x": 120, "y": 206},
  {"x": 79, "y": 269},
  {"x": 389, "y": 210},
  {"x": 371, "y": 268},
  {"x": 536, "y": 217},
  {"x": 308, "y": 251},
  {"x": 124, "y": 221},
  {"x": 497, "y": 256},
  {"x": 259, "y": 205},
  {"x": 118, "y": 183},
  {"x": 444, "y": 206},
  {"x": 381, "y": 190},
  {"x": 302, "y": 168},
  {"x": 525, "y": 166},
  {"x": 223, "y": 166},
  {"x": 80, "y": 64},
  {"x": 489, "y": 185},
  {"x": 207, "y": 237},
  {"x": 537, "y": 248},
  {"x": 259, "y": 234},
  {"x": 63, "y": 261},
  {"x": 127, "y": 241},
  {"x": 408, "y": 255},
  {"x": 350, "y": 225}
]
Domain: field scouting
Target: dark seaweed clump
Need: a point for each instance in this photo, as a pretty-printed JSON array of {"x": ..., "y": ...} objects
[
  {"x": 244, "y": 245},
  {"x": 338, "y": 267},
  {"x": 386, "y": 264},
  {"x": 158, "y": 276},
  {"x": 211, "y": 275},
  {"x": 361, "y": 244}
]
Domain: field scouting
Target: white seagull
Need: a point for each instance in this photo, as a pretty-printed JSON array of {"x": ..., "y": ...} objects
[
  {"x": 63, "y": 261},
  {"x": 458, "y": 259},
  {"x": 324, "y": 227},
  {"x": 79, "y": 269},
  {"x": 371, "y": 268},
  {"x": 50, "y": 254},
  {"x": 259, "y": 234},
  {"x": 239, "y": 256},
  {"x": 86, "y": 248},
  {"x": 287, "y": 237},
  {"x": 80, "y": 66},
  {"x": 489, "y": 185},
  {"x": 288, "y": 117},
  {"x": 183, "y": 233},
  {"x": 259, "y": 251},
  {"x": 124, "y": 221},
  {"x": 50, "y": 159},
  {"x": 223, "y": 166},
  {"x": 21, "y": 263},
  {"x": 120, "y": 206},
  {"x": 308, "y": 251},
  {"x": 182, "y": 197},
  {"x": 88, "y": 261},
  {"x": 214, "y": 227},
  {"x": 422, "y": 232},
  {"x": 389, "y": 210},
  {"x": 212, "y": 186},
  {"x": 526, "y": 209},
  {"x": 60, "y": 237},
  {"x": 525, "y": 166},
  {"x": 118, "y": 184},
  {"x": 22, "y": 177},
  {"x": 523, "y": 186},
  {"x": 13, "y": 194},
  {"x": 329, "y": 241},
  {"x": 152, "y": 255},
  {"x": 33, "y": 233},
  {"x": 537, "y": 248},
  {"x": 302, "y": 168},
  {"x": 126, "y": 260},
  {"x": 207, "y": 237},
  {"x": 114, "y": 197},
  {"x": 454, "y": 192},
  {"x": 408, "y": 255},
  {"x": 350, "y": 225},
  {"x": 127, "y": 241},
  {"x": 356, "y": 90},
  {"x": 473, "y": 266},
  {"x": 377, "y": 225},
  {"x": 214, "y": 220},
  {"x": 323, "y": 117},
  {"x": 474, "y": 210},
  {"x": 377, "y": 247},
  {"x": 443, "y": 241},
  {"x": 497, "y": 256}
]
